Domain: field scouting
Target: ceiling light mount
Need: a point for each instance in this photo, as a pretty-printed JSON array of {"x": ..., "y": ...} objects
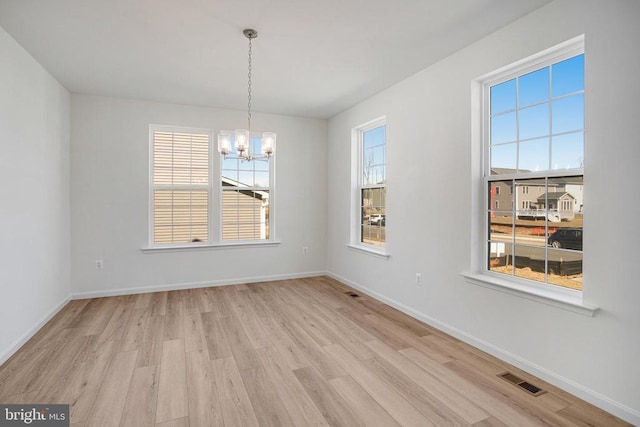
[
  {"x": 250, "y": 33},
  {"x": 242, "y": 137}
]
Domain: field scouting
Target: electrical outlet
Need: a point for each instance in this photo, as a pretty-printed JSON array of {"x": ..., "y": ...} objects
[
  {"x": 99, "y": 264},
  {"x": 419, "y": 279},
  {"x": 305, "y": 250}
]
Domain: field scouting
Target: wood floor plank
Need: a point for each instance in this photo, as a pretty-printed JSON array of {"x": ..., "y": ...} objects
[
  {"x": 217, "y": 345},
  {"x": 205, "y": 305},
  {"x": 150, "y": 352},
  {"x": 239, "y": 344},
  {"x": 401, "y": 410},
  {"x": 111, "y": 399},
  {"x": 317, "y": 356},
  {"x": 253, "y": 326},
  {"x": 180, "y": 422},
  {"x": 327, "y": 400},
  {"x": 267, "y": 405},
  {"x": 235, "y": 405},
  {"x": 288, "y": 349},
  {"x": 116, "y": 323},
  {"x": 456, "y": 403},
  {"x": 194, "y": 338},
  {"x": 172, "y": 391},
  {"x": 418, "y": 397},
  {"x": 174, "y": 320},
  {"x": 204, "y": 405},
  {"x": 300, "y": 407},
  {"x": 140, "y": 407},
  {"x": 134, "y": 331},
  {"x": 158, "y": 304},
  {"x": 365, "y": 406},
  {"x": 87, "y": 381},
  {"x": 59, "y": 376},
  {"x": 219, "y": 302},
  {"x": 497, "y": 408}
]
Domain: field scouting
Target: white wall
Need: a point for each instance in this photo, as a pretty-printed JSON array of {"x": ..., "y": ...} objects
[
  {"x": 110, "y": 192},
  {"x": 34, "y": 195},
  {"x": 429, "y": 205}
]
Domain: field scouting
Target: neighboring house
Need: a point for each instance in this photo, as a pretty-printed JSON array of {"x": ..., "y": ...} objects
[{"x": 530, "y": 199}]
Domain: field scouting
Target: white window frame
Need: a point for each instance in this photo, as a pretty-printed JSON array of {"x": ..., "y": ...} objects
[
  {"x": 478, "y": 273},
  {"x": 357, "y": 143},
  {"x": 215, "y": 199}
]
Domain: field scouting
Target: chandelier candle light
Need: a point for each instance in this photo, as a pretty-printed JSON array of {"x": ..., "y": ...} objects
[{"x": 243, "y": 136}]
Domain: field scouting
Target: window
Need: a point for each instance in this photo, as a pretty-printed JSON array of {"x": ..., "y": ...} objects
[
  {"x": 187, "y": 208},
  {"x": 181, "y": 188},
  {"x": 533, "y": 125},
  {"x": 245, "y": 188},
  {"x": 370, "y": 143}
]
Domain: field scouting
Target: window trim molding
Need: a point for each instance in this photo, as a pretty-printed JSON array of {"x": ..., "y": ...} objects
[
  {"x": 478, "y": 275},
  {"x": 356, "y": 174}
]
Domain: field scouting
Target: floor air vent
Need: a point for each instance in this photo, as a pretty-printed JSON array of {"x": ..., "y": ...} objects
[
  {"x": 352, "y": 294},
  {"x": 530, "y": 388}
]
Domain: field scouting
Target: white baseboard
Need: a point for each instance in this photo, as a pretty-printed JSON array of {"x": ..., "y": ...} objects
[
  {"x": 628, "y": 414},
  {"x": 192, "y": 285},
  {"x": 13, "y": 348}
]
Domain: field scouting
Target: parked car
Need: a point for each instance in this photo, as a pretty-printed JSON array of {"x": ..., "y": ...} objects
[
  {"x": 567, "y": 238},
  {"x": 377, "y": 219}
]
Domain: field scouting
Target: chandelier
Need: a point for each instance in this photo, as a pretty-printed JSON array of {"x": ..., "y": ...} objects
[{"x": 242, "y": 137}]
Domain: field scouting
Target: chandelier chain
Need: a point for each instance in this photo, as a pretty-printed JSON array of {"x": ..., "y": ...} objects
[{"x": 249, "y": 89}]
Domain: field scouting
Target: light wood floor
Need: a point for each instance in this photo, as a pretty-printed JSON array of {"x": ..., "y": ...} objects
[{"x": 298, "y": 352}]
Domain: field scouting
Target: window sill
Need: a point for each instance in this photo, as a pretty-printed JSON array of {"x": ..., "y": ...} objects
[
  {"x": 380, "y": 253},
  {"x": 570, "y": 302},
  {"x": 208, "y": 246}
]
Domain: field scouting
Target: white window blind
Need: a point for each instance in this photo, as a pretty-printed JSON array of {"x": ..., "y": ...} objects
[{"x": 181, "y": 186}]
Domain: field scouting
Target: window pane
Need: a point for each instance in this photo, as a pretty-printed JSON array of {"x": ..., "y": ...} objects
[
  {"x": 501, "y": 226},
  {"x": 503, "y": 128},
  {"x": 180, "y": 216},
  {"x": 374, "y": 137},
  {"x": 528, "y": 201},
  {"x": 503, "y": 97},
  {"x": 500, "y": 195},
  {"x": 374, "y": 175},
  {"x": 533, "y": 87},
  {"x": 567, "y": 151},
  {"x": 245, "y": 179},
  {"x": 533, "y": 155},
  {"x": 503, "y": 159},
  {"x": 568, "y": 114},
  {"x": 230, "y": 175},
  {"x": 566, "y": 197},
  {"x": 568, "y": 76},
  {"x": 262, "y": 179},
  {"x": 373, "y": 225},
  {"x": 501, "y": 257},
  {"x": 530, "y": 262},
  {"x": 245, "y": 215},
  {"x": 565, "y": 268},
  {"x": 534, "y": 121}
]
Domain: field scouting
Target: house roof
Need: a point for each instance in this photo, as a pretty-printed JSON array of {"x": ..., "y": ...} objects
[{"x": 555, "y": 195}]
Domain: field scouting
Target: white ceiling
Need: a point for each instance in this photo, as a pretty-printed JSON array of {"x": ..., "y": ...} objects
[{"x": 313, "y": 58}]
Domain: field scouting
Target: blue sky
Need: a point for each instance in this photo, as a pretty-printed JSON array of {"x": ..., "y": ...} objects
[{"x": 537, "y": 120}]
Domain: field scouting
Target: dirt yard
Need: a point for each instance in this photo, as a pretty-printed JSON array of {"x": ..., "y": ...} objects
[{"x": 572, "y": 282}]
